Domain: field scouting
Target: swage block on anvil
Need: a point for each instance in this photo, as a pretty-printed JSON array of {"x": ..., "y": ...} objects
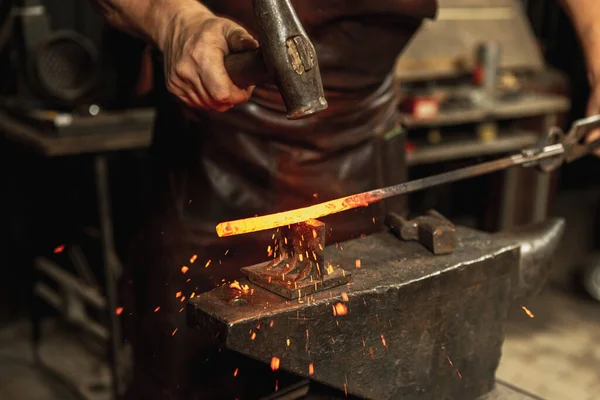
[
  {"x": 299, "y": 267},
  {"x": 410, "y": 325}
]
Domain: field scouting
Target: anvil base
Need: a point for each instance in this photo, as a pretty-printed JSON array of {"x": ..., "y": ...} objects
[{"x": 411, "y": 325}]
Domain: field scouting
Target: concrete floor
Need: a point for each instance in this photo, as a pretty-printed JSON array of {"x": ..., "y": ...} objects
[
  {"x": 68, "y": 372},
  {"x": 556, "y": 354}
]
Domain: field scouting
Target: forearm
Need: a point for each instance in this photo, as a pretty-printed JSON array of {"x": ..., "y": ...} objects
[
  {"x": 147, "y": 18},
  {"x": 585, "y": 15}
]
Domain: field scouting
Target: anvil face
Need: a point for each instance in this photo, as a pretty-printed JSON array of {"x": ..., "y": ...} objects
[{"x": 410, "y": 325}]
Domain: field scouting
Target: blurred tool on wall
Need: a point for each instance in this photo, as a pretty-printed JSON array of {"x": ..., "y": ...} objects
[{"x": 62, "y": 65}]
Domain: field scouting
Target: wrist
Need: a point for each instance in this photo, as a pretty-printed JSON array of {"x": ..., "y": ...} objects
[{"x": 165, "y": 19}]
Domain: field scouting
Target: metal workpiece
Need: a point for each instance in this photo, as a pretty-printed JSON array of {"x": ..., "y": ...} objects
[
  {"x": 298, "y": 267},
  {"x": 538, "y": 246},
  {"x": 433, "y": 231},
  {"x": 409, "y": 325}
]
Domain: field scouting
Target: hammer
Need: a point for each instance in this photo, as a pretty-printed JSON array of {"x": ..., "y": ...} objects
[{"x": 286, "y": 57}]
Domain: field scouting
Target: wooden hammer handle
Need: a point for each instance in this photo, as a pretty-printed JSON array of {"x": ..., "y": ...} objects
[{"x": 247, "y": 68}]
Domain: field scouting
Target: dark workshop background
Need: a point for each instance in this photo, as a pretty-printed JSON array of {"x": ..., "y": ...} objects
[
  {"x": 44, "y": 204},
  {"x": 49, "y": 202}
]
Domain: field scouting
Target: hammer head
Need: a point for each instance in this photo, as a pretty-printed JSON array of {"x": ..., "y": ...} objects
[{"x": 290, "y": 57}]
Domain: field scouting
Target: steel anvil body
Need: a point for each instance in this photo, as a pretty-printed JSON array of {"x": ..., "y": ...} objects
[{"x": 410, "y": 325}]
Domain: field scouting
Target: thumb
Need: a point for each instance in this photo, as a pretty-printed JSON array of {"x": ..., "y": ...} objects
[
  {"x": 594, "y": 109},
  {"x": 239, "y": 41}
]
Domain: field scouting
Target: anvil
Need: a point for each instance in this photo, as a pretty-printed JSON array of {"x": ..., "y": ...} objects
[{"x": 410, "y": 324}]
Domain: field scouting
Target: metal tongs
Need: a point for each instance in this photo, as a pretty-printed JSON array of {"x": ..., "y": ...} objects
[
  {"x": 557, "y": 148},
  {"x": 552, "y": 151}
]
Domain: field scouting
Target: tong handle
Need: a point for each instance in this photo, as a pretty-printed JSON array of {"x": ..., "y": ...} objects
[{"x": 573, "y": 141}]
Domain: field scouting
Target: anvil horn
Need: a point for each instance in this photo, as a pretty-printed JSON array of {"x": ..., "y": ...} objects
[{"x": 539, "y": 243}]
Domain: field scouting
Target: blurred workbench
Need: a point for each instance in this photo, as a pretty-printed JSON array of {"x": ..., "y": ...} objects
[
  {"x": 440, "y": 65},
  {"x": 52, "y": 145},
  {"x": 80, "y": 297}
]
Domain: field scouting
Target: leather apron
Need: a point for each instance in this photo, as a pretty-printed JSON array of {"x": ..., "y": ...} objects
[{"x": 211, "y": 167}]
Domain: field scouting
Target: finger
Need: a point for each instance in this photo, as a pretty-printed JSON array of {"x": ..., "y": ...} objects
[
  {"x": 217, "y": 81},
  {"x": 593, "y": 109},
  {"x": 238, "y": 40},
  {"x": 184, "y": 91}
]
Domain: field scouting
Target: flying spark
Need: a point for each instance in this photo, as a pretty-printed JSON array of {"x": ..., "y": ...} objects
[{"x": 529, "y": 313}]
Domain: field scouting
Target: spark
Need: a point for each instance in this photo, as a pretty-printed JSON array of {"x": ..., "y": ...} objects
[
  {"x": 227, "y": 251},
  {"x": 330, "y": 269},
  {"x": 314, "y": 232},
  {"x": 192, "y": 295},
  {"x": 271, "y": 323},
  {"x": 156, "y": 309},
  {"x": 207, "y": 264},
  {"x": 178, "y": 295},
  {"x": 275, "y": 363},
  {"x": 253, "y": 336},
  {"x": 119, "y": 311},
  {"x": 193, "y": 259},
  {"x": 236, "y": 372},
  {"x": 182, "y": 299},
  {"x": 451, "y": 363},
  {"x": 184, "y": 269},
  {"x": 188, "y": 280},
  {"x": 357, "y": 262},
  {"x": 59, "y": 249},
  {"x": 276, "y": 385},
  {"x": 363, "y": 341},
  {"x": 181, "y": 309},
  {"x": 345, "y": 297},
  {"x": 373, "y": 219},
  {"x": 288, "y": 342},
  {"x": 340, "y": 309},
  {"x": 529, "y": 313},
  {"x": 174, "y": 332},
  {"x": 311, "y": 369},
  {"x": 384, "y": 343}
]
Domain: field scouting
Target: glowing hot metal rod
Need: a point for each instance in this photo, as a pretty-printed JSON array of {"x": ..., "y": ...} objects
[{"x": 555, "y": 149}]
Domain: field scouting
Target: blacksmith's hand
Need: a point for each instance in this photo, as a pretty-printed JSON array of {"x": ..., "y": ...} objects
[{"x": 195, "y": 43}]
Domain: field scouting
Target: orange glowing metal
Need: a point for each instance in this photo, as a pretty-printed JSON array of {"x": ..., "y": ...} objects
[
  {"x": 274, "y": 363},
  {"x": 271, "y": 221}
]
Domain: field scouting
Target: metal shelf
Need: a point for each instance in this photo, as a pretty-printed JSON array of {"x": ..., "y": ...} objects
[
  {"x": 528, "y": 105},
  {"x": 464, "y": 148}
]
